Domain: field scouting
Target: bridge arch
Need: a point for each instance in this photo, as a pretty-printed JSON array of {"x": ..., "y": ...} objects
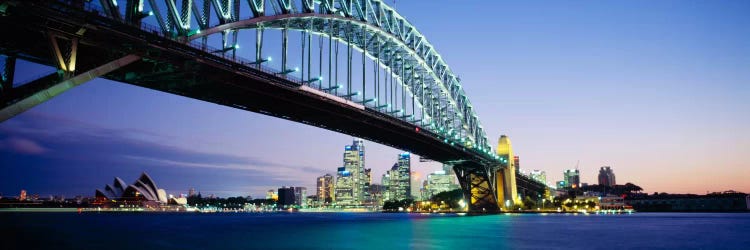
[{"x": 369, "y": 26}]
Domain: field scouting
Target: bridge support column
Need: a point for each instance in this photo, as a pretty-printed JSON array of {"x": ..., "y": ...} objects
[
  {"x": 39, "y": 91},
  {"x": 506, "y": 177},
  {"x": 478, "y": 185}
]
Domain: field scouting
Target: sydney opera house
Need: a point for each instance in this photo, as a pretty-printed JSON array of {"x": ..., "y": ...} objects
[{"x": 143, "y": 191}]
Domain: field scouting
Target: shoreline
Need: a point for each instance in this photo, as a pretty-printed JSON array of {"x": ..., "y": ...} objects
[{"x": 84, "y": 210}]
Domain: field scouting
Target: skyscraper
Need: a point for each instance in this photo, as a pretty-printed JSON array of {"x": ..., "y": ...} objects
[
  {"x": 572, "y": 178},
  {"x": 191, "y": 192},
  {"x": 366, "y": 186},
  {"x": 517, "y": 163},
  {"x": 386, "y": 182},
  {"x": 415, "y": 184},
  {"x": 399, "y": 179},
  {"x": 22, "y": 196},
  {"x": 324, "y": 189},
  {"x": 299, "y": 196},
  {"x": 286, "y": 197},
  {"x": 351, "y": 178},
  {"x": 606, "y": 176}
]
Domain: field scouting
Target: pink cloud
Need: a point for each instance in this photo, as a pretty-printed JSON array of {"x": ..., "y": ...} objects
[{"x": 23, "y": 146}]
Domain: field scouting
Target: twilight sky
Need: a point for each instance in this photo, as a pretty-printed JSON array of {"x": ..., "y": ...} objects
[{"x": 659, "y": 90}]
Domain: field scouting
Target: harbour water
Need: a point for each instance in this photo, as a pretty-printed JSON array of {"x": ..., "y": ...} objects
[{"x": 65, "y": 230}]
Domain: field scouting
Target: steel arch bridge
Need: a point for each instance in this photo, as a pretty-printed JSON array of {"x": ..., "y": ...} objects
[{"x": 352, "y": 66}]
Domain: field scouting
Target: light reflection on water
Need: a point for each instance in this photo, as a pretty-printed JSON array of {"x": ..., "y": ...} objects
[{"x": 375, "y": 231}]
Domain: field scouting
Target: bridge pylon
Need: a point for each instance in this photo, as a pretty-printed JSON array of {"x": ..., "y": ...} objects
[
  {"x": 507, "y": 189},
  {"x": 479, "y": 187}
]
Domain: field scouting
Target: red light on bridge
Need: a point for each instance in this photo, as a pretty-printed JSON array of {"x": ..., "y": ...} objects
[{"x": 416, "y": 129}]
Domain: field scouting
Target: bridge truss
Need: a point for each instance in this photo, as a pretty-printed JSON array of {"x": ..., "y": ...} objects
[{"x": 358, "y": 52}]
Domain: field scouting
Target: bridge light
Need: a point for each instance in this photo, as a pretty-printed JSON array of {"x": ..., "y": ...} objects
[
  {"x": 268, "y": 59},
  {"x": 151, "y": 13},
  {"x": 296, "y": 69},
  {"x": 320, "y": 78},
  {"x": 236, "y": 46},
  {"x": 194, "y": 32},
  {"x": 114, "y": 2}
]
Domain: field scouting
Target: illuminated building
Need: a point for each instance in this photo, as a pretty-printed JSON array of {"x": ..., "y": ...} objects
[
  {"x": 22, "y": 195},
  {"x": 399, "y": 182},
  {"x": 351, "y": 179},
  {"x": 143, "y": 190},
  {"x": 386, "y": 182},
  {"x": 191, "y": 192},
  {"x": 415, "y": 185},
  {"x": 560, "y": 184},
  {"x": 366, "y": 186},
  {"x": 325, "y": 189},
  {"x": 539, "y": 176},
  {"x": 517, "y": 163},
  {"x": 272, "y": 195},
  {"x": 299, "y": 196},
  {"x": 377, "y": 192},
  {"x": 606, "y": 176},
  {"x": 286, "y": 197},
  {"x": 438, "y": 182},
  {"x": 507, "y": 191},
  {"x": 572, "y": 178}
]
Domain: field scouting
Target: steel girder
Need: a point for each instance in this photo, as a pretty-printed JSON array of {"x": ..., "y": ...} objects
[
  {"x": 479, "y": 187},
  {"x": 382, "y": 33},
  {"x": 370, "y": 26}
]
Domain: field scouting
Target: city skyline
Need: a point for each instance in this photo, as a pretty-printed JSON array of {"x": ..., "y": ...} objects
[{"x": 659, "y": 100}]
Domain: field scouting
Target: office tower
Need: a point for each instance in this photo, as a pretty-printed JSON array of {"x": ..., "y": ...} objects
[
  {"x": 191, "y": 192},
  {"x": 399, "y": 179},
  {"x": 415, "y": 184},
  {"x": 572, "y": 178},
  {"x": 300, "y": 193},
  {"x": 366, "y": 186},
  {"x": 325, "y": 189},
  {"x": 286, "y": 197},
  {"x": 351, "y": 179},
  {"x": 386, "y": 182},
  {"x": 606, "y": 176},
  {"x": 438, "y": 182}
]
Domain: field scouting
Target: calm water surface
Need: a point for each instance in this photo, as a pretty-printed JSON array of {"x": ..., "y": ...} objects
[{"x": 372, "y": 231}]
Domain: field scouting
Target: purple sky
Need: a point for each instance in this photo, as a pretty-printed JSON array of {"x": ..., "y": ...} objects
[{"x": 660, "y": 91}]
